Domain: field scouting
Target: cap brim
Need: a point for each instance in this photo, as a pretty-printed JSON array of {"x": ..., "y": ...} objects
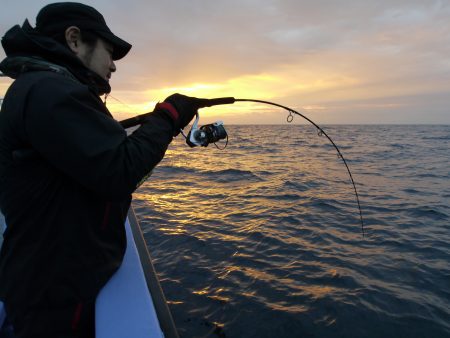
[{"x": 121, "y": 47}]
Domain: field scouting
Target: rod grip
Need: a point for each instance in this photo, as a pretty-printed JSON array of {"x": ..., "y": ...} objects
[
  {"x": 133, "y": 121},
  {"x": 216, "y": 101}
]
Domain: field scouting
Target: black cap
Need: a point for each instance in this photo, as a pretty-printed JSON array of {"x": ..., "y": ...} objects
[{"x": 57, "y": 17}]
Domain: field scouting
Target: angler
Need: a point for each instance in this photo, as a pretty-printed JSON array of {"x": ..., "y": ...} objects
[{"x": 67, "y": 168}]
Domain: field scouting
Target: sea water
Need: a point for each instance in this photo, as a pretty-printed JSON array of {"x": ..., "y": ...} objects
[{"x": 263, "y": 238}]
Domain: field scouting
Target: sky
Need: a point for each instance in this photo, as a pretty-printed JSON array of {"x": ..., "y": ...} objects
[{"x": 337, "y": 62}]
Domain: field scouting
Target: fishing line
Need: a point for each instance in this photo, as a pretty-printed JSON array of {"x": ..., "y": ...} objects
[
  {"x": 321, "y": 132},
  {"x": 117, "y": 100}
]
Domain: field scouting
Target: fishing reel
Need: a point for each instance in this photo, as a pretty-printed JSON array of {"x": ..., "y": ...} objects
[{"x": 204, "y": 135}]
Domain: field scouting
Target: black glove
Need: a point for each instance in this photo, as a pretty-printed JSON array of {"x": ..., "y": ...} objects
[{"x": 186, "y": 107}]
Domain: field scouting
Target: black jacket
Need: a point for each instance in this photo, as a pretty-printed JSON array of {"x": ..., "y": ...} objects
[{"x": 67, "y": 171}]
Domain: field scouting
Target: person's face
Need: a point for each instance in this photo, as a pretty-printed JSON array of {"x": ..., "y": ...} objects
[{"x": 98, "y": 58}]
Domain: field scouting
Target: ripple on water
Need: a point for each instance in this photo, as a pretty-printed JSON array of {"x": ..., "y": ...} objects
[{"x": 254, "y": 243}]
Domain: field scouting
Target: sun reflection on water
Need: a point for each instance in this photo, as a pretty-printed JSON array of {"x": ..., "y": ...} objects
[{"x": 269, "y": 228}]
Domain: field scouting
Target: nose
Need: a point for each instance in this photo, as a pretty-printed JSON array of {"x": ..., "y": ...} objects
[{"x": 112, "y": 67}]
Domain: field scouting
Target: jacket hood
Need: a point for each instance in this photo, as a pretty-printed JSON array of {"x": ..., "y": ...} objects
[{"x": 23, "y": 43}]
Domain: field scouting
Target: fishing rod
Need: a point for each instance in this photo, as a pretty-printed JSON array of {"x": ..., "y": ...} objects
[{"x": 213, "y": 132}]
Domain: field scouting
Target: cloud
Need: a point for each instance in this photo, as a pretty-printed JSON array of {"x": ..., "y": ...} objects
[{"x": 304, "y": 53}]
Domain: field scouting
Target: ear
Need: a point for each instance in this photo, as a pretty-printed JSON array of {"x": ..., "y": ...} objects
[{"x": 73, "y": 38}]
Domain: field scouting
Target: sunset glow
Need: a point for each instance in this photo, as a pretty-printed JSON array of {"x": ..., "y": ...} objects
[{"x": 352, "y": 62}]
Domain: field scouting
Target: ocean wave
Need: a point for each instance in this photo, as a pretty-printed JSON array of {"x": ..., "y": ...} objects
[
  {"x": 177, "y": 170},
  {"x": 437, "y": 138},
  {"x": 301, "y": 185},
  {"x": 277, "y": 246},
  {"x": 325, "y": 205},
  {"x": 430, "y": 175},
  {"x": 427, "y": 212},
  {"x": 413, "y": 191},
  {"x": 232, "y": 175}
]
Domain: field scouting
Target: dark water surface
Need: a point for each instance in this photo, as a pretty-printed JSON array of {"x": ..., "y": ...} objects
[{"x": 263, "y": 239}]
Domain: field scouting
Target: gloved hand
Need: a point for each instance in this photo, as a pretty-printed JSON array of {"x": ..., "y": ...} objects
[{"x": 186, "y": 107}]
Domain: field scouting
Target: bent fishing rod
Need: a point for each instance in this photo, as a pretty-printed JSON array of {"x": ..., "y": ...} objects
[{"x": 214, "y": 132}]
